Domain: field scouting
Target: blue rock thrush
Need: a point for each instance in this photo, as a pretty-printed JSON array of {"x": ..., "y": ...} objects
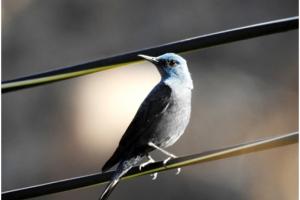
[{"x": 159, "y": 121}]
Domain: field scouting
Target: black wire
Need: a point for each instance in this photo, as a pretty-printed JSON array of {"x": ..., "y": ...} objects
[
  {"x": 198, "y": 42},
  {"x": 78, "y": 182}
]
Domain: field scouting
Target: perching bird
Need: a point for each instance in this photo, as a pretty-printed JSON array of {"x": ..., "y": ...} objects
[{"x": 160, "y": 120}]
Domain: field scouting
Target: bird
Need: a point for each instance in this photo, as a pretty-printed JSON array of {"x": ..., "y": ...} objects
[{"x": 159, "y": 122}]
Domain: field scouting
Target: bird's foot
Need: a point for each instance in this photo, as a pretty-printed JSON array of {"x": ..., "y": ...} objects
[
  {"x": 154, "y": 176},
  {"x": 178, "y": 171},
  {"x": 146, "y": 163},
  {"x": 168, "y": 159},
  {"x": 150, "y": 160},
  {"x": 143, "y": 165}
]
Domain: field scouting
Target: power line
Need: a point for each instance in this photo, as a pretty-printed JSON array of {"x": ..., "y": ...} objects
[
  {"x": 189, "y": 44},
  {"x": 82, "y": 181}
]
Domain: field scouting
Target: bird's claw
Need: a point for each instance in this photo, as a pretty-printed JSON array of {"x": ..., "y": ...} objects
[
  {"x": 143, "y": 165},
  {"x": 178, "y": 171},
  {"x": 154, "y": 176},
  {"x": 140, "y": 167},
  {"x": 167, "y": 160},
  {"x": 151, "y": 160}
]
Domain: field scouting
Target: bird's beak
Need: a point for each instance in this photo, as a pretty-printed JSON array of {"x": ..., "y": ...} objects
[{"x": 149, "y": 58}]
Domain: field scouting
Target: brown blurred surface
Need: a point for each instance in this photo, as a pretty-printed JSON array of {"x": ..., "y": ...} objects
[{"x": 243, "y": 91}]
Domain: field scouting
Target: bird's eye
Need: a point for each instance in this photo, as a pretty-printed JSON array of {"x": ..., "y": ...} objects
[{"x": 172, "y": 63}]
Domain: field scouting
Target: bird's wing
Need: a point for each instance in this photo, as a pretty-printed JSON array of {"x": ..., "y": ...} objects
[{"x": 151, "y": 109}]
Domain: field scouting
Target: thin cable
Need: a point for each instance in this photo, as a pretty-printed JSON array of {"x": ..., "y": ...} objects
[
  {"x": 93, "y": 179},
  {"x": 185, "y": 45}
]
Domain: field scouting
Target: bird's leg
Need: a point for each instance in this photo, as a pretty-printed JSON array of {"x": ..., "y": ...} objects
[
  {"x": 170, "y": 155},
  {"x": 162, "y": 150},
  {"x": 150, "y": 160}
]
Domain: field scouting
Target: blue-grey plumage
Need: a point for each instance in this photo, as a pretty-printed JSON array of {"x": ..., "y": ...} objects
[{"x": 160, "y": 120}]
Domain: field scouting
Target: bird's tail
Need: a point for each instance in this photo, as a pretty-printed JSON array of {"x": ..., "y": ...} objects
[
  {"x": 122, "y": 169},
  {"x": 111, "y": 186}
]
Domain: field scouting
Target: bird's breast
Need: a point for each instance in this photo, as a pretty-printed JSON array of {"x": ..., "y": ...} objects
[{"x": 175, "y": 118}]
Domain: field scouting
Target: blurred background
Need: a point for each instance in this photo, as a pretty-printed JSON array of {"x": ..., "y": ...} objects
[{"x": 243, "y": 91}]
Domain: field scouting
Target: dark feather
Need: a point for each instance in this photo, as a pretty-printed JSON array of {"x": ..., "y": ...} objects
[
  {"x": 153, "y": 106},
  {"x": 122, "y": 169}
]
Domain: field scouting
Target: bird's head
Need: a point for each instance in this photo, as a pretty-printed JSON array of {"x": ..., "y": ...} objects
[{"x": 171, "y": 67}]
